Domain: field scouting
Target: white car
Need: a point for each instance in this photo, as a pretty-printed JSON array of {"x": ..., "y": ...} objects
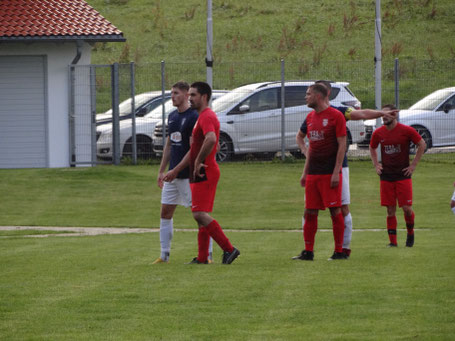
[
  {"x": 144, "y": 129},
  {"x": 250, "y": 116},
  {"x": 433, "y": 117}
]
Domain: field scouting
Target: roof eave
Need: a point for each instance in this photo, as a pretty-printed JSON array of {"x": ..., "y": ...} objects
[{"x": 51, "y": 39}]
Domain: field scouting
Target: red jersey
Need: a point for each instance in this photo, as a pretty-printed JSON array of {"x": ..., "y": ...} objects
[
  {"x": 322, "y": 130},
  {"x": 394, "y": 149},
  {"x": 207, "y": 122}
]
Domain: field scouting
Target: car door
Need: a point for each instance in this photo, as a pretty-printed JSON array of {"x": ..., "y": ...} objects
[
  {"x": 444, "y": 121},
  {"x": 256, "y": 122}
]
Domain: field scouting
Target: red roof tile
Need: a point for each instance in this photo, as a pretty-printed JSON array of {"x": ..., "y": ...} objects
[{"x": 53, "y": 18}]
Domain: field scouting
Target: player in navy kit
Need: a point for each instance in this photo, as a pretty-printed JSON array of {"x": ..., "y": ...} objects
[
  {"x": 354, "y": 115},
  {"x": 176, "y": 192},
  {"x": 395, "y": 172}
]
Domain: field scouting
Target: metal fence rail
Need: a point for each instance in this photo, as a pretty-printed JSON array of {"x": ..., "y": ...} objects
[{"x": 103, "y": 98}]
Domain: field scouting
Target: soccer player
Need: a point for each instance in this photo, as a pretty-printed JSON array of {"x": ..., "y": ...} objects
[
  {"x": 354, "y": 115},
  {"x": 205, "y": 173},
  {"x": 395, "y": 172},
  {"x": 177, "y": 192},
  {"x": 322, "y": 178}
]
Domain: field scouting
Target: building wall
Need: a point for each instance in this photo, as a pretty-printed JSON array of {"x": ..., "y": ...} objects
[{"x": 59, "y": 56}]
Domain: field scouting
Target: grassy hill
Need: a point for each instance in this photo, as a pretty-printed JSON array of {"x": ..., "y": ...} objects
[{"x": 259, "y": 30}]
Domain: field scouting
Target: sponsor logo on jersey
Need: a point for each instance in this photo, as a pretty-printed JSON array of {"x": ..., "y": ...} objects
[
  {"x": 316, "y": 135},
  {"x": 176, "y": 137},
  {"x": 392, "y": 149},
  {"x": 325, "y": 121}
]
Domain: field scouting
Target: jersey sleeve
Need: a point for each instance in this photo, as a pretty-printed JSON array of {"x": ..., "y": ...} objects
[
  {"x": 374, "y": 142},
  {"x": 414, "y": 135},
  {"x": 207, "y": 124},
  {"x": 304, "y": 127}
]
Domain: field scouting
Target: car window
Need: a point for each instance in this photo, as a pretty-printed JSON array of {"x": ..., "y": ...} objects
[
  {"x": 448, "y": 105},
  {"x": 431, "y": 101},
  {"x": 295, "y": 96},
  {"x": 261, "y": 101},
  {"x": 334, "y": 93}
]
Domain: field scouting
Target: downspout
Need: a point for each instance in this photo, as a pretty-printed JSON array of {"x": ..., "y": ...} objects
[{"x": 72, "y": 104}]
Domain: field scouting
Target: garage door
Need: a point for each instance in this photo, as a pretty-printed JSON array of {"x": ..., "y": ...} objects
[{"x": 22, "y": 112}]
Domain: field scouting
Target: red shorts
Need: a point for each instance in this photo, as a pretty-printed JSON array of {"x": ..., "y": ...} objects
[
  {"x": 319, "y": 194},
  {"x": 400, "y": 190},
  {"x": 203, "y": 193}
]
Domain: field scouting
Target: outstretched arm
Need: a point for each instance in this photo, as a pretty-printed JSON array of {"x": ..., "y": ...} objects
[{"x": 368, "y": 114}]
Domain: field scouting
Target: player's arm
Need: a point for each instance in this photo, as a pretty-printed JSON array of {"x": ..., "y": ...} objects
[
  {"x": 421, "y": 145},
  {"x": 369, "y": 114},
  {"x": 206, "y": 148},
  {"x": 335, "y": 181},
  {"x": 305, "y": 171},
  {"x": 164, "y": 162},
  {"x": 374, "y": 158},
  {"x": 300, "y": 139}
]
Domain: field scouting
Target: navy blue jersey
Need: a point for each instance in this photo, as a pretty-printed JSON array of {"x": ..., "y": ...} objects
[
  {"x": 346, "y": 111},
  {"x": 180, "y": 128}
]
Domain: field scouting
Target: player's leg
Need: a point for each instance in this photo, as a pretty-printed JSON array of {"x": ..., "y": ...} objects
[
  {"x": 404, "y": 196},
  {"x": 345, "y": 201},
  {"x": 389, "y": 199},
  {"x": 452, "y": 201},
  {"x": 169, "y": 200}
]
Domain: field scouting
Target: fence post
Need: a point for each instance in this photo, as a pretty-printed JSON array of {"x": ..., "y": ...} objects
[
  {"x": 72, "y": 133},
  {"x": 93, "y": 110},
  {"x": 283, "y": 122},
  {"x": 115, "y": 115},
  {"x": 163, "y": 93},
  {"x": 133, "y": 111},
  {"x": 397, "y": 83}
]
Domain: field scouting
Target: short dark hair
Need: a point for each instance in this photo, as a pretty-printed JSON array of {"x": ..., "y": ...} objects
[
  {"x": 389, "y": 106},
  {"x": 181, "y": 85},
  {"x": 325, "y": 83},
  {"x": 320, "y": 89},
  {"x": 203, "y": 88}
]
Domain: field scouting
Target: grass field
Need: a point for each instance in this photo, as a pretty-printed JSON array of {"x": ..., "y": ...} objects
[{"x": 105, "y": 288}]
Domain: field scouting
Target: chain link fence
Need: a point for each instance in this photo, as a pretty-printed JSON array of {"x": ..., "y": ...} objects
[{"x": 257, "y": 121}]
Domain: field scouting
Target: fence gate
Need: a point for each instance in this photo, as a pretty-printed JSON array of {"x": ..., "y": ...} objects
[{"x": 95, "y": 93}]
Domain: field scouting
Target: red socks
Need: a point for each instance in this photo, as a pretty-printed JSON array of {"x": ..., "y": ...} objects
[
  {"x": 309, "y": 230},
  {"x": 215, "y": 231},
  {"x": 392, "y": 229},
  {"x": 338, "y": 231},
  {"x": 410, "y": 223},
  {"x": 203, "y": 241}
]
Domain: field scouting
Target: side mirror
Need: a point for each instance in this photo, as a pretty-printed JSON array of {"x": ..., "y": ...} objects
[
  {"x": 142, "y": 112},
  {"x": 244, "y": 108},
  {"x": 447, "y": 107}
]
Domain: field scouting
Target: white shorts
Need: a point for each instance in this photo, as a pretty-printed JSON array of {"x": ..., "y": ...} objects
[
  {"x": 177, "y": 192},
  {"x": 345, "y": 192}
]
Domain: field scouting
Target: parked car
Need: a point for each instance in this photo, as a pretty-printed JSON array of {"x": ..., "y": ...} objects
[
  {"x": 144, "y": 129},
  {"x": 250, "y": 117},
  {"x": 144, "y": 103},
  {"x": 433, "y": 117}
]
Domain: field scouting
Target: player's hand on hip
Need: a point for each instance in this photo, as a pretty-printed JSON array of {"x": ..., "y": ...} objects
[
  {"x": 335, "y": 180},
  {"x": 303, "y": 180},
  {"x": 408, "y": 170},
  {"x": 378, "y": 168},
  {"x": 197, "y": 170}
]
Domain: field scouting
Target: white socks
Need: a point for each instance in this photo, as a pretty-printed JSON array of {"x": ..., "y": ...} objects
[
  {"x": 347, "y": 231},
  {"x": 166, "y": 233}
]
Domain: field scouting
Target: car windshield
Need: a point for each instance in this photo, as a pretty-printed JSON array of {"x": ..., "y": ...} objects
[
  {"x": 432, "y": 101},
  {"x": 233, "y": 97},
  {"x": 125, "y": 106},
  {"x": 157, "y": 113}
]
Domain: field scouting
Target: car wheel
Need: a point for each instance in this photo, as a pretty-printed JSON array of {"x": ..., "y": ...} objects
[
  {"x": 226, "y": 149},
  {"x": 426, "y": 136},
  {"x": 144, "y": 147}
]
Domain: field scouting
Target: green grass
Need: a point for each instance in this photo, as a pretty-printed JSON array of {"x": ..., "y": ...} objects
[
  {"x": 250, "y": 196},
  {"x": 105, "y": 288}
]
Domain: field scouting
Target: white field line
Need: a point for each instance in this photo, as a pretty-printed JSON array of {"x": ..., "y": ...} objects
[{"x": 96, "y": 231}]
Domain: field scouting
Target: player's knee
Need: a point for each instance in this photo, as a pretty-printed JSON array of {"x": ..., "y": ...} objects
[{"x": 345, "y": 210}]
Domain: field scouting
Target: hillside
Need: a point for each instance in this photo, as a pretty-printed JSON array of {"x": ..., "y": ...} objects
[{"x": 260, "y": 30}]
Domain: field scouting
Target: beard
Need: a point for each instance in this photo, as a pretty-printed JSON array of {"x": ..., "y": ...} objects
[{"x": 387, "y": 123}]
